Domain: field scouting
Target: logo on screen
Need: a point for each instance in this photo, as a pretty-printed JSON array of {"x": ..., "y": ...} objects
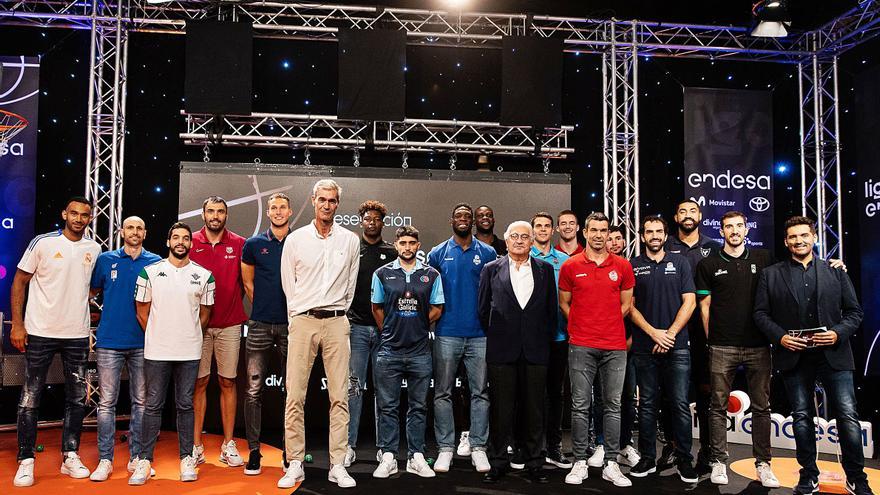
[
  {"x": 759, "y": 204},
  {"x": 727, "y": 180}
]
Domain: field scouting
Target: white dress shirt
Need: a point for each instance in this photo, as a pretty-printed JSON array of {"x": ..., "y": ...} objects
[
  {"x": 522, "y": 281},
  {"x": 319, "y": 272}
]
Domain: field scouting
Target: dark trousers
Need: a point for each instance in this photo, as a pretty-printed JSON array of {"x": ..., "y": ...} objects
[
  {"x": 262, "y": 339},
  {"x": 701, "y": 385},
  {"x": 672, "y": 371},
  {"x": 157, "y": 375},
  {"x": 557, "y": 371},
  {"x": 524, "y": 384},
  {"x": 800, "y": 383},
  {"x": 37, "y": 358}
]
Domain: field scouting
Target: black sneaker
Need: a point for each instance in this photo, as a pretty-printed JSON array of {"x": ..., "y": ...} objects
[
  {"x": 558, "y": 459},
  {"x": 644, "y": 467},
  {"x": 687, "y": 473},
  {"x": 807, "y": 485},
  {"x": 667, "y": 457},
  {"x": 516, "y": 461},
  {"x": 253, "y": 464},
  {"x": 859, "y": 487}
]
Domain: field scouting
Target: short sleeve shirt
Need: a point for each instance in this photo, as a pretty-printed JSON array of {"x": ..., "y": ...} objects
[
  {"x": 223, "y": 260},
  {"x": 460, "y": 271},
  {"x": 174, "y": 332},
  {"x": 116, "y": 274},
  {"x": 58, "y": 293},
  {"x": 657, "y": 294},
  {"x": 594, "y": 318},
  {"x": 373, "y": 256},
  {"x": 556, "y": 259},
  {"x": 407, "y": 298},
  {"x": 263, "y": 252}
]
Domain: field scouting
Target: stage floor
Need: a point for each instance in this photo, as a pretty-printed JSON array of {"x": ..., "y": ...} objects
[{"x": 216, "y": 478}]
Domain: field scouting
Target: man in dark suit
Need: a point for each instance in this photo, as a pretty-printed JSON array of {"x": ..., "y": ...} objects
[
  {"x": 517, "y": 308},
  {"x": 801, "y": 293}
]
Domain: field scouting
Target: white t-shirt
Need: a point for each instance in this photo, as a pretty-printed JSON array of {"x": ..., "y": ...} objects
[
  {"x": 174, "y": 332},
  {"x": 58, "y": 293}
]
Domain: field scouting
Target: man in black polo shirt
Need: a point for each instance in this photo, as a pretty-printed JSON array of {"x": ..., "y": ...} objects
[
  {"x": 364, "y": 336},
  {"x": 663, "y": 301},
  {"x": 726, "y": 283},
  {"x": 693, "y": 245}
]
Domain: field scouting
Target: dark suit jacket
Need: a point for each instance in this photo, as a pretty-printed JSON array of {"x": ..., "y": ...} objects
[
  {"x": 776, "y": 310},
  {"x": 511, "y": 330}
]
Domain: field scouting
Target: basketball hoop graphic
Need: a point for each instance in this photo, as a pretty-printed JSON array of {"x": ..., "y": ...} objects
[{"x": 10, "y": 125}]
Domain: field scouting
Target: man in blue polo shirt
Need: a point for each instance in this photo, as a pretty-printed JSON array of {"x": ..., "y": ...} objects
[
  {"x": 267, "y": 327},
  {"x": 407, "y": 297},
  {"x": 120, "y": 340},
  {"x": 460, "y": 338},
  {"x": 663, "y": 301}
]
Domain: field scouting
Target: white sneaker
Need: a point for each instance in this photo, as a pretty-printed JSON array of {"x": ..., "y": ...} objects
[
  {"x": 293, "y": 475},
  {"x": 579, "y": 472},
  {"x": 350, "y": 457},
  {"x": 629, "y": 456},
  {"x": 464, "y": 444},
  {"x": 102, "y": 472},
  {"x": 597, "y": 460},
  {"x": 444, "y": 460},
  {"x": 25, "y": 474},
  {"x": 765, "y": 474},
  {"x": 719, "y": 473},
  {"x": 418, "y": 465},
  {"x": 387, "y": 466},
  {"x": 199, "y": 454},
  {"x": 142, "y": 472},
  {"x": 229, "y": 454},
  {"x": 480, "y": 461},
  {"x": 73, "y": 466},
  {"x": 188, "y": 469},
  {"x": 132, "y": 465},
  {"x": 340, "y": 476},
  {"x": 612, "y": 473}
]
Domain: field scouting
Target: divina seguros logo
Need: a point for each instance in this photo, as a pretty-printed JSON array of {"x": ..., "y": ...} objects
[{"x": 728, "y": 180}]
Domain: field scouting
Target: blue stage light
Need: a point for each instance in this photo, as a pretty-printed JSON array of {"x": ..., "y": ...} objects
[
  {"x": 781, "y": 168},
  {"x": 285, "y": 64}
]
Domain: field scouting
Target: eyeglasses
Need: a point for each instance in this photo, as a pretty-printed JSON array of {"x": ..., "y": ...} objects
[{"x": 516, "y": 237}]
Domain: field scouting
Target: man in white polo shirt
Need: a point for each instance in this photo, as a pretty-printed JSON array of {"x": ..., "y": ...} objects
[
  {"x": 174, "y": 298},
  {"x": 54, "y": 271}
]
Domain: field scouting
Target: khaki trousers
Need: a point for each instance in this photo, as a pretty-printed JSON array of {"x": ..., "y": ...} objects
[{"x": 306, "y": 335}]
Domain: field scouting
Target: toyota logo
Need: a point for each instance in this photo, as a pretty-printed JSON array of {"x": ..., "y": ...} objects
[{"x": 759, "y": 204}]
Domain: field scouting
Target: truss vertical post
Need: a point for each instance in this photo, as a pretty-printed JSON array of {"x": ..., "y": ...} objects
[
  {"x": 620, "y": 162},
  {"x": 106, "y": 118},
  {"x": 820, "y": 151}
]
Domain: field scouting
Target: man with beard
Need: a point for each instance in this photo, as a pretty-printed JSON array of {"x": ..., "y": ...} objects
[
  {"x": 485, "y": 222},
  {"x": 267, "y": 328},
  {"x": 407, "y": 297},
  {"x": 810, "y": 311},
  {"x": 219, "y": 250},
  {"x": 726, "y": 283},
  {"x": 663, "y": 302},
  {"x": 693, "y": 245},
  {"x": 567, "y": 226},
  {"x": 460, "y": 338},
  {"x": 120, "y": 341},
  {"x": 174, "y": 297},
  {"x": 364, "y": 333},
  {"x": 319, "y": 267},
  {"x": 54, "y": 272},
  {"x": 595, "y": 294}
]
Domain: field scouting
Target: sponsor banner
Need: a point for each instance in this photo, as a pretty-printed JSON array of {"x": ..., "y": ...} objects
[
  {"x": 19, "y": 94},
  {"x": 728, "y": 158}
]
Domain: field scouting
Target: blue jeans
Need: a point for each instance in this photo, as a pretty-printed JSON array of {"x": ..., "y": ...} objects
[
  {"x": 110, "y": 363},
  {"x": 390, "y": 370},
  {"x": 584, "y": 364},
  {"x": 157, "y": 375},
  {"x": 448, "y": 352},
  {"x": 364, "y": 341},
  {"x": 262, "y": 339},
  {"x": 627, "y": 406},
  {"x": 800, "y": 383},
  {"x": 669, "y": 372},
  {"x": 37, "y": 358}
]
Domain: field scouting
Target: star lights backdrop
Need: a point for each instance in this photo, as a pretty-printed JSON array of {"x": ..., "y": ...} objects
[{"x": 441, "y": 83}]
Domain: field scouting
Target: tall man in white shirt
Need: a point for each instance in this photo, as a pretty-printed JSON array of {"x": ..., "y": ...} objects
[
  {"x": 55, "y": 268},
  {"x": 319, "y": 267}
]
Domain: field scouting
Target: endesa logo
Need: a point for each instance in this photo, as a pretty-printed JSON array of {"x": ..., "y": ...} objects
[
  {"x": 739, "y": 428},
  {"x": 728, "y": 180}
]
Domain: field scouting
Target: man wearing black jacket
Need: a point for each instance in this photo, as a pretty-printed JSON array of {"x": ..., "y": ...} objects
[{"x": 804, "y": 293}]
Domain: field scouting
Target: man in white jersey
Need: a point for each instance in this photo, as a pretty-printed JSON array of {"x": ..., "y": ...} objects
[
  {"x": 55, "y": 271},
  {"x": 174, "y": 298}
]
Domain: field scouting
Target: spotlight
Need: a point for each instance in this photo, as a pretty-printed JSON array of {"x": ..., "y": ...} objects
[
  {"x": 456, "y": 4},
  {"x": 771, "y": 18}
]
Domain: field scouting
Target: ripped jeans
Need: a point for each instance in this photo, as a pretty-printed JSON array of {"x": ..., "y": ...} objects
[
  {"x": 38, "y": 357},
  {"x": 262, "y": 339}
]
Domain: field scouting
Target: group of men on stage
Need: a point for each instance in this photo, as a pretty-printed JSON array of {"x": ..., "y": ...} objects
[{"x": 518, "y": 313}]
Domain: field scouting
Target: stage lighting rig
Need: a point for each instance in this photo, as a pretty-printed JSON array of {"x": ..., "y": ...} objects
[{"x": 771, "y": 17}]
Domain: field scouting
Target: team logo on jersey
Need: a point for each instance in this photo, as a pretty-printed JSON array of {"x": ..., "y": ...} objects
[
  {"x": 613, "y": 275},
  {"x": 477, "y": 259},
  {"x": 196, "y": 276},
  {"x": 754, "y": 268},
  {"x": 112, "y": 274},
  {"x": 229, "y": 249},
  {"x": 382, "y": 256},
  {"x": 670, "y": 268},
  {"x": 705, "y": 251},
  {"x": 425, "y": 279}
]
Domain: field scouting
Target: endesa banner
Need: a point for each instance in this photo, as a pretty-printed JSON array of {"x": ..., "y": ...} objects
[
  {"x": 728, "y": 158},
  {"x": 19, "y": 93}
]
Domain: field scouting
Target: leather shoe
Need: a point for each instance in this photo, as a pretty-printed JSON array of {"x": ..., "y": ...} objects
[
  {"x": 538, "y": 475},
  {"x": 493, "y": 476}
]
